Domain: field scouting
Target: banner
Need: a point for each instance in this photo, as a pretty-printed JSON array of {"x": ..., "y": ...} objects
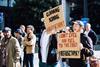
[
  {"x": 54, "y": 19},
  {"x": 68, "y": 45}
]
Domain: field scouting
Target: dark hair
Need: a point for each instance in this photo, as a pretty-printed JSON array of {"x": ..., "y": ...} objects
[{"x": 18, "y": 31}]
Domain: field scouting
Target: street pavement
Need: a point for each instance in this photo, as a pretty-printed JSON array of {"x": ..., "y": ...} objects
[{"x": 36, "y": 60}]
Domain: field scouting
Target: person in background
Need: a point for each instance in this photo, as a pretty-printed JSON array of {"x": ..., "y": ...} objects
[
  {"x": 10, "y": 49},
  {"x": 22, "y": 27},
  {"x": 29, "y": 43},
  {"x": 85, "y": 46},
  {"x": 91, "y": 33},
  {"x": 1, "y": 37},
  {"x": 18, "y": 35}
]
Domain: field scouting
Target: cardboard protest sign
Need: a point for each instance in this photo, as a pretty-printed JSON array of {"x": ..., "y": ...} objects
[
  {"x": 69, "y": 45},
  {"x": 54, "y": 19}
]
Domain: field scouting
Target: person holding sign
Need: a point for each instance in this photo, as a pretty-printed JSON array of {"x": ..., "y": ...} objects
[
  {"x": 44, "y": 45},
  {"x": 48, "y": 46},
  {"x": 52, "y": 52},
  {"x": 86, "y": 49}
]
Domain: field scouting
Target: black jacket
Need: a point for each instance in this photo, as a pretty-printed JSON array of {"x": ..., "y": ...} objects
[
  {"x": 93, "y": 36},
  {"x": 85, "y": 41},
  {"x": 86, "y": 52},
  {"x": 52, "y": 55}
]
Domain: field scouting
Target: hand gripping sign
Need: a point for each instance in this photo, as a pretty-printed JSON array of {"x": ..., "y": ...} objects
[
  {"x": 68, "y": 45},
  {"x": 54, "y": 19}
]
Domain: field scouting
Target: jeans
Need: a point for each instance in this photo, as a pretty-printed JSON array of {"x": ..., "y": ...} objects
[
  {"x": 29, "y": 60},
  {"x": 88, "y": 63},
  {"x": 24, "y": 59}
]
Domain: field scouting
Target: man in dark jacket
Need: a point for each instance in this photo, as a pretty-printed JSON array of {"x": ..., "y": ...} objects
[
  {"x": 91, "y": 33},
  {"x": 85, "y": 49}
]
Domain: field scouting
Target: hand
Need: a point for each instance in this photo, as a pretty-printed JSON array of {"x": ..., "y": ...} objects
[{"x": 81, "y": 46}]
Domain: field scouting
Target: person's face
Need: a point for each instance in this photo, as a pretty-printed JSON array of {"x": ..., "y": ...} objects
[
  {"x": 67, "y": 29},
  {"x": 22, "y": 28},
  {"x": 16, "y": 34},
  {"x": 87, "y": 27},
  {"x": 29, "y": 30},
  {"x": 7, "y": 34},
  {"x": 76, "y": 27}
]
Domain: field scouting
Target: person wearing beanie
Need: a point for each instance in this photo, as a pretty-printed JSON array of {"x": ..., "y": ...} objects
[
  {"x": 10, "y": 49},
  {"x": 18, "y": 35}
]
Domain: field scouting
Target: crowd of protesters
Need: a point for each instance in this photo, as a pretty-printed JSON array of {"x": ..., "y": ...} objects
[
  {"x": 18, "y": 50},
  {"x": 48, "y": 47}
]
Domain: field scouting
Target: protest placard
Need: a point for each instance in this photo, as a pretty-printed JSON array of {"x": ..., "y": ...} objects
[
  {"x": 69, "y": 45},
  {"x": 54, "y": 19}
]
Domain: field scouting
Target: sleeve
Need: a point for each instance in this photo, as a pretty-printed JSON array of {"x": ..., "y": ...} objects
[
  {"x": 87, "y": 50},
  {"x": 94, "y": 37},
  {"x": 24, "y": 41},
  {"x": 17, "y": 49},
  {"x": 22, "y": 46},
  {"x": 31, "y": 42},
  {"x": 85, "y": 41}
]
